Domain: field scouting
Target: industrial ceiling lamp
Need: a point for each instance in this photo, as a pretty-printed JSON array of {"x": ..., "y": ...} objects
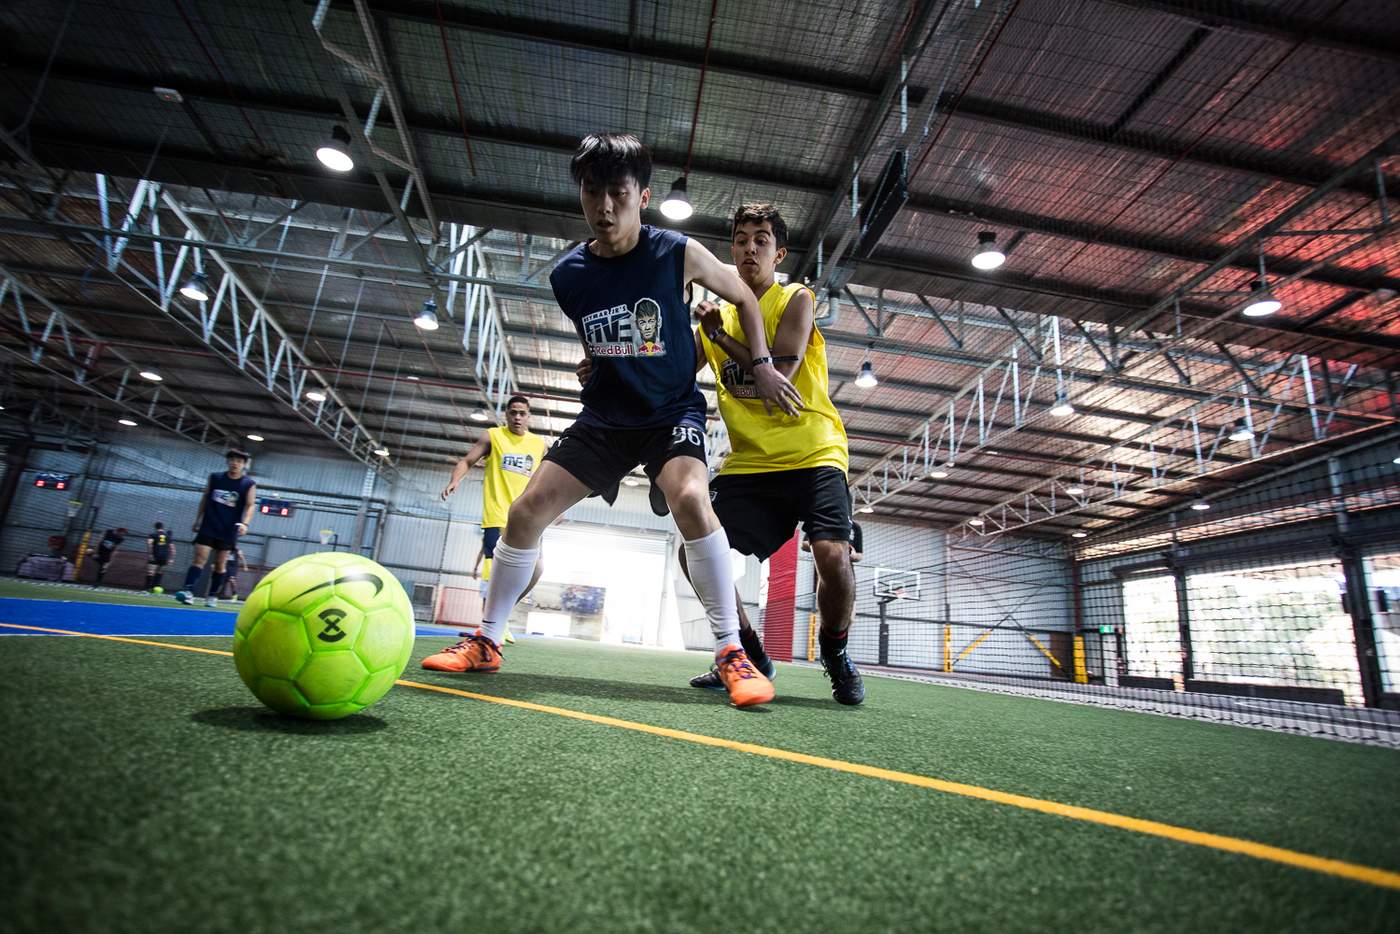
[
  {"x": 196, "y": 288},
  {"x": 938, "y": 473},
  {"x": 1261, "y": 300},
  {"x": 1075, "y": 489},
  {"x": 381, "y": 451},
  {"x": 1242, "y": 431},
  {"x": 866, "y": 510},
  {"x": 255, "y": 437},
  {"x": 479, "y": 415},
  {"x": 335, "y": 152},
  {"x": 151, "y": 375},
  {"x": 426, "y": 319},
  {"x": 1062, "y": 407},
  {"x": 975, "y": 523},
  {"x": 866, "y": 378},
  {"x": 315, "y": 395},
  {"x": 677, "y": 206},
  {"x": 1079, "y": 534},
  {"x": 1200, "y": 505},
  {"x": 988, "y": 255}
]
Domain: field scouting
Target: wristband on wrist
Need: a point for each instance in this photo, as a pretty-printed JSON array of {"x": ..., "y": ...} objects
[
  {"x": 715, "y": 334},
  {"x": 760, "y": 361}
]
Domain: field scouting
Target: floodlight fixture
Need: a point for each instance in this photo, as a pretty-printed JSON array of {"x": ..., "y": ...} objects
[{"x": 677, "y": 206}]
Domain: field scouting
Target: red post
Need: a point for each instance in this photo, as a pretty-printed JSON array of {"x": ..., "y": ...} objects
[{"x": 782, "y": 602}]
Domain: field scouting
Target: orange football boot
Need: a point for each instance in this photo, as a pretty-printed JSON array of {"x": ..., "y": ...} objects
[
  {"x": 474, "y": 653},
  {"x": 745, "y": 683}
]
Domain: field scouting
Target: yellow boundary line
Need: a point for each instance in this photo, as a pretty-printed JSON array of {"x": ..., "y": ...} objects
[{"x": 1356, "y": 872}]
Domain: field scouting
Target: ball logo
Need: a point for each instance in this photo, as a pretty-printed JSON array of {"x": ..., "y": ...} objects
[
  {"x": 331, "y": 617},
  {"x": 347, "y": 579}
]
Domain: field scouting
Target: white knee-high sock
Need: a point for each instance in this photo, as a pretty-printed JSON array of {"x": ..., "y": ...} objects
[
  {"x": 713, "y": 579},
  {"x": 510, "y": 575}
]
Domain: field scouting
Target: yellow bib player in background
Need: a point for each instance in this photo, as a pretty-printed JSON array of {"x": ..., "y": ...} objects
[{"x": 512, "y": 453}]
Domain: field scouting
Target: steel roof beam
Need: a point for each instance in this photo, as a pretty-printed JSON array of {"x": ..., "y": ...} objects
[
  {"x": 942, "y": 355},
  {"x": 1373, "y": 41},
  {"x": 907, "y": 273}
]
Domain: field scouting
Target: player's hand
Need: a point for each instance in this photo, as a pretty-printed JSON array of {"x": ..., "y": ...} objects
[
  {"x": 241, "y": 528},
  {"x": 195, "y": 528},
  {"x": 448, "y": 490},
  {"x": 775, "y": 389},
  {"x": 710, "y": 318},
  {"x": 584, "y": 370}
]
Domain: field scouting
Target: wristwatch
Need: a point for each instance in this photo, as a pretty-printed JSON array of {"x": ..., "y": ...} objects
[{"x": 715, "y": 334}]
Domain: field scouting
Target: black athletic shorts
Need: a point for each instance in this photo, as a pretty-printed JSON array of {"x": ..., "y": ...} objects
[
  {"x": 490, "y": 535},
  {"x": 159, "y": 560},
  {"x": 600, "y": 457},
  {"x": 760, "y": 511},
  {"x": 217, "y": 544}
]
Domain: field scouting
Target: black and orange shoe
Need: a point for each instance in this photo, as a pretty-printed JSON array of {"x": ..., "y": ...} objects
[
  {"x": 745, "y": 683},
  {"x": 474, "y": 653},
  {"x": 711, "y": 681}
]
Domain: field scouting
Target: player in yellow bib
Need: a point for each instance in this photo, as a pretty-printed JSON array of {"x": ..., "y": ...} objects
[
  {"x": 782, "y": 471},
  {"x": 512, "y": 453}
]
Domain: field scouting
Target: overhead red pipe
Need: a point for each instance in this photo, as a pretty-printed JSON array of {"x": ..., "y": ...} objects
[
  {"x": 452, "y": 78},
  {"x": 704, "y": 67}
]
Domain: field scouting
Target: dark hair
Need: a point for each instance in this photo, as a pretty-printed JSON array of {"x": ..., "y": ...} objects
[
  {"x": 756, "y": 212},
  {"x": 236, "y": 452},
  {"x": 160, "y": 525},
  {"x": 605, "y": 158},
  {"x": 514, "y": 399}
]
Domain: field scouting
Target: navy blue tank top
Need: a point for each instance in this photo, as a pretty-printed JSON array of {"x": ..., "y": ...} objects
[
  {"x": 160, "y": 542},
  {"x": 630, "y": 312},
  {"x": 224, "y": 506}
]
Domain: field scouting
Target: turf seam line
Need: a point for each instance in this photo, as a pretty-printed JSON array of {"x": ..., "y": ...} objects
[{"x": 1356, "y": 872}]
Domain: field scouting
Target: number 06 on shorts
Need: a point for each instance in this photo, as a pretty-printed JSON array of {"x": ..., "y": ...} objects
[{"x": 599, "y": 457}]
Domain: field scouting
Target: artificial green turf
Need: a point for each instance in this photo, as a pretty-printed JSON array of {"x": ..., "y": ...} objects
[{"x": 147, "y": 791}]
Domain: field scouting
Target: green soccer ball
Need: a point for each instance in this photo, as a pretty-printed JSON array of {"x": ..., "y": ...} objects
[
  {"x": 324, "y": 636},
  {"x": 157, "y": 589}
]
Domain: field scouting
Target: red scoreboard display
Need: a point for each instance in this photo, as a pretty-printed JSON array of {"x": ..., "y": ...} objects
[
  {"x": 52, "y": 481},
  {"x": 274, "y": 507}
]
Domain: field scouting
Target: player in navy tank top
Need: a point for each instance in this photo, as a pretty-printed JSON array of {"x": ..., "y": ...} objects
[
  {"x": 623, "y": 292},
  {"x": 225, "y": 511},
  {"x": 631, "y": 315}
]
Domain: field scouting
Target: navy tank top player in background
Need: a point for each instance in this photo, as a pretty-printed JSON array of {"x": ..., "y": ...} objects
[{"x": 225, "y": 511}]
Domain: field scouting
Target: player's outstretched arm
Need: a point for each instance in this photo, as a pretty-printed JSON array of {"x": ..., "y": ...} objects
[
  {"x": 248, "y": 510},
  {"x": 468, "y": 461},
  {"x": 789, "y": 341},
  {"x": 773, "y": 387},
  {"x": 794, "y": 333}
]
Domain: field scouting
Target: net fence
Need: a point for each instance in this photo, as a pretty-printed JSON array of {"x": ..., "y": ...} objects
[{"x": 1277, "y": 608}]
